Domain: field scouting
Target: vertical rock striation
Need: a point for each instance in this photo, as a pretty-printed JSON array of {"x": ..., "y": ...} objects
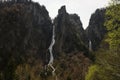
[
  {"x": 70, "y": 35},
  {"x": 25, "y": 29},
  {"x": 96, "y": 29}
]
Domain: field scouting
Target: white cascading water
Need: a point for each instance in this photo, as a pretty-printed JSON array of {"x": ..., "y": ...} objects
[
  {"x": 90, "y": 45},
  {"x": 50, "y": 64}
]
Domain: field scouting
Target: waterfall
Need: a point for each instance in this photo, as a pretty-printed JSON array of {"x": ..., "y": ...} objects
[
  {"x": 50, "y": 64},
  {"x": 90, "y": 45}
]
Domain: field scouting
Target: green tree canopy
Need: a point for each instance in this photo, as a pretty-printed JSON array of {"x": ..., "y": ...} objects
[
  {"x": 112, "y": 24},
  {"x": 107, "y": 63}
]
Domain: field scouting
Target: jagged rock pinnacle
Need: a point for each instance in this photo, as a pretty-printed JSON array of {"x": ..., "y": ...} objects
[{"x": 62, "y": 10}]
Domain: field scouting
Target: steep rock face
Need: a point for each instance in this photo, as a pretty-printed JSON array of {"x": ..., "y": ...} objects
[
  {"x": 25, "y": 35},
  {"x": 70, "y": 36},
  {"x": 96, "y": 29},
  {"x": 25, "y": 29}
]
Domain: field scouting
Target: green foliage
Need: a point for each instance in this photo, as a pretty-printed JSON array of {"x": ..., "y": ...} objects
[
  {"x": 114, "y": 2},
  {"x": 107, "y": 63},
  {"x": 92, "y": 72},
  {"x": 106, "y": 66},
  {"x": 112, "y": 24},
  {"x": 110, "y": 63}
]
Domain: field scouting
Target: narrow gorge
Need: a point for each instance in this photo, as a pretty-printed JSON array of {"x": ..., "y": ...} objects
[{"x": 33, "y": 47}]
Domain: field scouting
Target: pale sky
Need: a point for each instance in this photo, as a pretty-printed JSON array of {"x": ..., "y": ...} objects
[{"x": 84, "y": 8}]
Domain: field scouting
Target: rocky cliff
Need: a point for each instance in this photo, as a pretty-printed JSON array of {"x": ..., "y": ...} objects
[
  {"x": 25, "y": 29},
  {"x": 96, "y": 29},
  {"x": 70, "y": 35},
  {"x": 25, "y": 35}
]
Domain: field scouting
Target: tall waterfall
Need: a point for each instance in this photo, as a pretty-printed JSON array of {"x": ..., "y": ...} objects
[
  {"x": 90, "y": 45},
  {"x": 50, "y": 64}
]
